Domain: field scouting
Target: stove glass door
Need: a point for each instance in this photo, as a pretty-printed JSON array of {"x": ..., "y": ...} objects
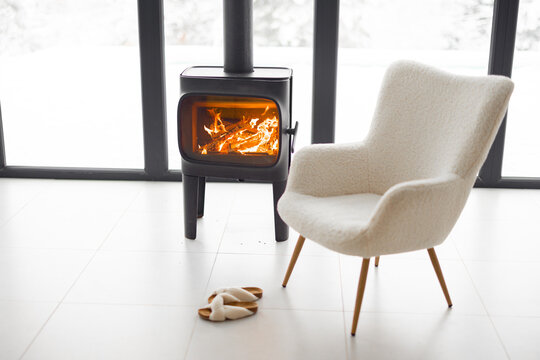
[{"x": 238, "y": 130}]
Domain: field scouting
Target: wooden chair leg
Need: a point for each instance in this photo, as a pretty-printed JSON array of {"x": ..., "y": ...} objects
[
  {"x": 360, "y": 294},
  {"x": 439, "y": 273},
  {"x": 377, "y": 261},
  {"x": 294, "y": 257}
]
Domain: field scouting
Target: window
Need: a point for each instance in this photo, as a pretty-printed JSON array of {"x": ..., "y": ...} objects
[
  {"x": 521, "y": 149},
  {"x": 453, "y": 35},
  {"x": 70, "y": 83}
]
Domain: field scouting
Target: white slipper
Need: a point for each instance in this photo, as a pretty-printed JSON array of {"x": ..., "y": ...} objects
[
  {"x": 218, "y": 311},
  {"x": 240, "y": 293}
]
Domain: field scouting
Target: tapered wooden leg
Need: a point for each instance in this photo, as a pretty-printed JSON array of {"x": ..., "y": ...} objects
[
  {"x": 294, "y": 257},
  {"x": 360, "y": 294},
  {"x": 440, "y": 276},
  {"x": 377, "y": 260}
]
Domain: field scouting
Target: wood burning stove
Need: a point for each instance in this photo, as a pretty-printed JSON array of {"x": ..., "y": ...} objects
[{"x": 234, "y": 121}]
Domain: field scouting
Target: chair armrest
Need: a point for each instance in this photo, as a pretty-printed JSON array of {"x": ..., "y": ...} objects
[
  {"x": 417, "y": 214},
  {"x": 330, "y": 169}
]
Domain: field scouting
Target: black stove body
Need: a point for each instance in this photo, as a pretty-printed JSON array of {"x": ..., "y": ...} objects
[{"x": 234, "y": 121}]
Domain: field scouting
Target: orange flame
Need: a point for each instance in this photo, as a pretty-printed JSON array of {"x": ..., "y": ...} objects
[{"x": 246, "y": 136}]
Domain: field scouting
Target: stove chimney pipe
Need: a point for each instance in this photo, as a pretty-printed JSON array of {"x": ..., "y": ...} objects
[{"x": 238, "y": 35}]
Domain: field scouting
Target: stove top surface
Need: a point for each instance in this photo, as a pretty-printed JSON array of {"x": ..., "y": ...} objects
[{"x": 259, "y": 73}]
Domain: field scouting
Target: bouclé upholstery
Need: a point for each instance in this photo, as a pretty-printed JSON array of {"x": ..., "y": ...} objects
[{"x": 405, "y": 185}]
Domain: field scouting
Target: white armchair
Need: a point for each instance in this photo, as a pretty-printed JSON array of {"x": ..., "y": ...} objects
[{"x": 404, "y": 187}]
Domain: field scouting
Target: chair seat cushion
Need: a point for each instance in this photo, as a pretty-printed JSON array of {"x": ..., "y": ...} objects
[{"x": 332, "y": 221}]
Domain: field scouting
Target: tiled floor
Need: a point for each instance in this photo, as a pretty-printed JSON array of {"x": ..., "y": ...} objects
[{"x": 101, "y": 270}]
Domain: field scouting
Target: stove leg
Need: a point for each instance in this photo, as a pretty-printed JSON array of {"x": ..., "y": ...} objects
[
  {"x": 281, "y": 229},
  {"x": 200, "y": 199},
  {"x": 191, "y": 189}
]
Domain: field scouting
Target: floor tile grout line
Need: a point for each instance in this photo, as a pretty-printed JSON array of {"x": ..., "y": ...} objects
[
  {"x": 122, "y": 215},
  {"x": 134, "y": 199},
  {"x": 212, "y": 269},
  {"x": 197, "y": 319},
  {"x": 226, "y": 225},
  {"x": 274, "y": 254},
  {"x": 518, "y": 262},
  {"x": 209, "y": 277},
  {"x": 343, "y": 309},
  {"x": 117, "y": 250},
  {"x": 58, "y": 305},
  {"x": 76, "y": 279},
  {"x": 125, "y": 304},
  {"x": 9, "y": 218},
  {"x": 481, "y": 300},
  {"x": 268, "y": 307},
  {"x": 484, "y": 305},
  {"x": 109, "y": 250},
  {"x": 40, "y": 329},
  {"x": 516, "y": 316},
  {"x": 416, "y": 313}
]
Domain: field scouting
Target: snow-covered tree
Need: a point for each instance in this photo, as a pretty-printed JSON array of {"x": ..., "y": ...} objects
[
  {"x": 189, "y": 22},
  {"x": 283, "y": 22},
  {"x": 528, "y": 27},
  {"x": 471, "y": 25}
]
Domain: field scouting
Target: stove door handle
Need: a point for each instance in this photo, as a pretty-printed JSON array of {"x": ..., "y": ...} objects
[{"x": 292, "y": 132}]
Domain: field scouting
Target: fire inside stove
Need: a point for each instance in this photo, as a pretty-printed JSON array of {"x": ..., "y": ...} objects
[{"x": 230, "y": 129}]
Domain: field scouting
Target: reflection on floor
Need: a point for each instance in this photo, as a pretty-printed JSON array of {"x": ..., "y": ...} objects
[{"x": 100, "y": 270}]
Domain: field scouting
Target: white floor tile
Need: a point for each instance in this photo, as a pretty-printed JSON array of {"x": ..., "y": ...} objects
[
  {"x": 314, "y": 283},
  {"x": 271, "y": 334},
  {"x": 164, "y": 231},
  {"x": 507, "y": 288},
  {"x": 19, "y": 323},
  {"x": 39, "y": 275},
  {"x": 67, "y": 195},
  {"x": 254, "y": 234},
  {"x": 498, "y": 240},
  {"x": 250, "y": 227},
  {"x": 503, "y": 204},
  {"x": 446, "y": 251},
  {"x": 423, "y": 336},
  {"x": 168, "y": 197},
  {"x": 409, "y": 286},
  {"x": 15, "y": 194},
  {"x": 154, "y": 278},
  {"x": 520, "y": 336},
  {"x": 159, "y": 197},
  {"x": 254, "y": 199},
  {"x": 219, "y": 198},
  {"x": 91, "y": 331},
  {"x": 77, "y": 229}
]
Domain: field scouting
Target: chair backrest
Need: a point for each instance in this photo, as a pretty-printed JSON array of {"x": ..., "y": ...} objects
[{"x": 429, "y": 122}]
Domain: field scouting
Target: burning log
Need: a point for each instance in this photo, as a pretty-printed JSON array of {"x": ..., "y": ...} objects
[{"x": 245, "y": 136}]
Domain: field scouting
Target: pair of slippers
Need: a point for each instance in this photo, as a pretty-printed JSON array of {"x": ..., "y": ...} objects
[{"x": 231, "y": 303}]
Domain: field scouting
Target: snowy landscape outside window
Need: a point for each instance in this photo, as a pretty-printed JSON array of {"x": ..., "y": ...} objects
[
  {"x": 70, "y": 83},
  {"x": 522, "y": 148},
  {"x": 70, "y": 76}
]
